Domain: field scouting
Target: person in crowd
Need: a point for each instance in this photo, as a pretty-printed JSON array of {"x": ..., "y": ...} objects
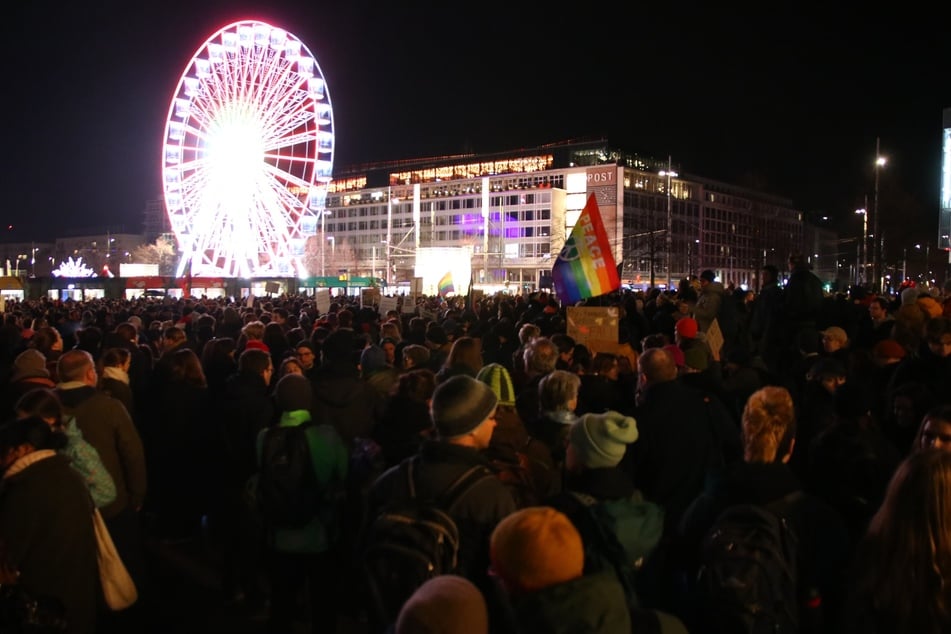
[
  {"x": 851, "y": 461},
  {"x": 29, "y": 373},
  {"x": 107, "y": 426},
  {"x": 681, "y": 439},
  {"x": 126, "y": 335},
  {"x": 252, "y": 337},
  {"x": 465, "y": 357},
  {"x": 935, "y": 430},
  {"x": 406, "y": 422},
  {"x": 376, "y": 371},
  {"x": 46, "y": 520},
  {"x": 113, "y": 366},
  {"x": 802, "y": 305},
  {"x": 305, "y": 557},
  {"x": 902, "y": 570},
  {"x": 307, "y": 357},
  {"x": 836, "y": 345},
  {"x": 557, "y": 402},
  {"x": 932, "y": 366},
  {"x": 439, "y": 345},
  {"x": 49, "y": 342},
  {"x": 290, "y": 365},
  {"x": 341, "y": 397},
  {"x": 275, "y": 338},
  {"x": 538, "y": 559},
  {"x": 218, "y": 362},
  {"x": 540, "y": 360},
  {"x": 179, "y": 470},
  {"x": 83, "y": 457},
  {"x": 243, "y": 408},
  {"x": 600, "y": 389},
  {"x": 526, "y": 333},
  {"x": 816, "y": 406},
  {"x": 446, "y": 604},
  {"x": 766, "y": 319},
  {"x": 877, "y": 323},
  {"x": 764, "y": 478},
  {"x": 511, "y": 448},
  {"x": 463, "y": 414},
  {"x": 415, "y": 356}
]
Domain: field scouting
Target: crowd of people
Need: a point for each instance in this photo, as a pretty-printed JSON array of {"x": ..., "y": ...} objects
[{"x": 153, "y": 411}]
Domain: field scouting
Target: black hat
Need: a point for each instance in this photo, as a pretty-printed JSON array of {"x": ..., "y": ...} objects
[
  {"x": 460, "y": 404},
  {"x": 294, "y": 392},
  {"x": 708, "y": 275}
]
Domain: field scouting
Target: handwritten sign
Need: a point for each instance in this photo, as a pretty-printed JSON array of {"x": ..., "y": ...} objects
[{"x": 594, "y": 326}]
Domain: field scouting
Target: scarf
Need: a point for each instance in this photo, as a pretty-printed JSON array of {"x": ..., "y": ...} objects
[{"x": 116, "y": 373}]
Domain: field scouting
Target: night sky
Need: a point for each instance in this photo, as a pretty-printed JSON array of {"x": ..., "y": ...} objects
[{"x": 790, "y": 103}]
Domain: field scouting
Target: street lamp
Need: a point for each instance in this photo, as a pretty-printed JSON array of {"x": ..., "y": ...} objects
[
  {"x": 669, "y": 173},
  {"x": 864, "y": 278},
  {"x": 880, "y": 162}
]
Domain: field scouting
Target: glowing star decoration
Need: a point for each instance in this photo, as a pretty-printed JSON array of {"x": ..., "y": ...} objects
[
  {"x": 73, "y": 268},
  {"x": 248, "y": 154}
]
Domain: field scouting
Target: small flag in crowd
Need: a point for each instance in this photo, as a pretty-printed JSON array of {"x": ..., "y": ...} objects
[
  {"x": 445, "y": 284},
  {"x": 585, "y": 267}
]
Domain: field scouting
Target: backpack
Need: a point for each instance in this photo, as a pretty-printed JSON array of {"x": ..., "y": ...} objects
[
  {"x": 748, "y": 580},
  {"x": 412, "y": 541},
  {"x": 288, "y": 493},
  {"x": 620, "y": 535}
]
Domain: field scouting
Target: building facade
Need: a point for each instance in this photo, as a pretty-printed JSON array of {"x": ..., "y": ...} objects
[{"x": 512, "y": 212}]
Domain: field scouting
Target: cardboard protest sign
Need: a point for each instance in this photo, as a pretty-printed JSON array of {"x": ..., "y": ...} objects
[{"x": 595, "y": 327}]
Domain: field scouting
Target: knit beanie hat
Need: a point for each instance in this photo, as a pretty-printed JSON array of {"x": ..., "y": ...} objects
[
  {"x": 497, "y": 377},
  {"x": 686, "y": 327},
  {"x": 29, "y": 364},
  {"x": 447, "y": 604},
  {"x": 460, "y": 404},
  {"x": 534, "y": 548},
  {"x": 294, "y": 392},
  {"x": 600, "y": 440}
]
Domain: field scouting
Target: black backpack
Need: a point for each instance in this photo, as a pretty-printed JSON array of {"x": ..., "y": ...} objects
[
  {"x": 412, "y": 541},
  {"x": 288, "y": 493},
  {"x": 748, "y": 581}
]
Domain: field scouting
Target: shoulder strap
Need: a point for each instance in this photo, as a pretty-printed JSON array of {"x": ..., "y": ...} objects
[
  {"x": 584, "y": 498},
  {"x": 462, "y": 485},
  {"x": 408, "y": 467}
]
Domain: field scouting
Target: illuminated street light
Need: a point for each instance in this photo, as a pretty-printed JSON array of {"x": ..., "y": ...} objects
[
  {"x": 880, "y": 162},
  {"x": 669, "y": 173},
  {"x": 864, "y": 213}
]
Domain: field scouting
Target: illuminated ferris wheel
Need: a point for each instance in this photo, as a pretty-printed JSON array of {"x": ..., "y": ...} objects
[{"x": 248, "y": 154}]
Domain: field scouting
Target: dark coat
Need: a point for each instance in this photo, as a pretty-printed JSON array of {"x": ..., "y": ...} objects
[
  {"x": 592, "y": 603},
  {"x": 46, "y": 527},
  {"x": 476, "y": 514},
  {"x": 243, "y": 409},
  {"x": 824, "y": 549},
  {"x": 344, "y": 400},
  {"x": 107, "y": 426},
  {"x": 676, "y": 449}
]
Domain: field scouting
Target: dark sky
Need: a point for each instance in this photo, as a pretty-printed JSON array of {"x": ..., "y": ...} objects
[{"x": 790, "y": 103}]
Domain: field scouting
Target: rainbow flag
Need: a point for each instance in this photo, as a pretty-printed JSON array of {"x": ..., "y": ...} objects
[
  {"x": 445, "y": 284},
  {"x": 585, "y": 267}
]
